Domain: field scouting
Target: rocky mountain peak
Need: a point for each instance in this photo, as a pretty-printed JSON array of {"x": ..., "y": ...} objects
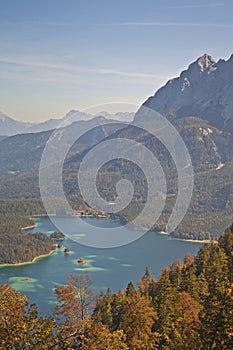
[
  {"x": 205, "y": 64},
  {"x": 205, "y": 61},
  {"x": 204, "y": 89}
]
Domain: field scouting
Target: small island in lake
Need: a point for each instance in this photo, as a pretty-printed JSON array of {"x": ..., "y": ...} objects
[
  {"x": 81, "y": 261},
  {"x": 58, "y": 236},
  {"x": 25, "y": 279}
]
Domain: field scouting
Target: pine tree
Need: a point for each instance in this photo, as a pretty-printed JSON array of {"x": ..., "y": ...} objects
[
  {"x": 189, "y": 281},
  {"x": 138, "y": 321},
  {"x": 103, "y": 309},
  {"x": 226, "y": 243},
  {"x": 175, "y": 274},
  {"x": 185, "y": 334},
  {"x": 164, "y": 304},
  {"x": 146, "y": 284},
  {"x": 215, "y": 316},
  {"x": 130, "y": 290},
  {"x": 118, "y": 305}
]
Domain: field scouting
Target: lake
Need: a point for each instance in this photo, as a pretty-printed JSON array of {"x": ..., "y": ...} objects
[{"x": 111, "y": 267}]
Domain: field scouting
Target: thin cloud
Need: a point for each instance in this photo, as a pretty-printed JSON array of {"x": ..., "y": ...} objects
[
  {"x": 139, "y": 24},
  {"x": 28, "y": 23},
  {"x": 23, "y": 62},
  {"x": 196, "y": 6},
  {"x": 123, "y": 73},
  {"x": 65, "y": 70},
  {"x": 174, "y": 24}
]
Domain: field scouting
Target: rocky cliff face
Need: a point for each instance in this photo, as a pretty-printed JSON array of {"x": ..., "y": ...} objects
[{"x": 204, "y": 90}]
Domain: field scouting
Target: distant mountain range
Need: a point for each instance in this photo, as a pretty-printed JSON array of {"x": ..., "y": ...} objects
[
  {"x": 21, "y": 153},
  {"x": 10, "y": 126},
  {"x": 199, "y": 103}
]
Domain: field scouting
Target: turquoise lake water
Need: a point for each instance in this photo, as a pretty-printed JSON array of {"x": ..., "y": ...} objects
[{"x": 112, "y": 267}]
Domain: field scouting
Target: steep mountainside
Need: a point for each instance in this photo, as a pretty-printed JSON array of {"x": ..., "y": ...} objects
[
  {"x": 204, "y": 90},
  {"x": 199, "y": 103}
]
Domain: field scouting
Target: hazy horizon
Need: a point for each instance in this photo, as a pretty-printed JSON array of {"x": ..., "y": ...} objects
[{"x": 59, "y": 55}]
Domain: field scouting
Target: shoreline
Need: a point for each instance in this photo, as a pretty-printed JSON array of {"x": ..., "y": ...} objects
[
  {"x": 30, "y": 262},
  {"x": 38, "y": 215},
  {"x": 163, "y": 233},
  {"x": 28, "y": 227},
  {"x": 191, "y": 240},
  {"x": 182, "y": 239}
]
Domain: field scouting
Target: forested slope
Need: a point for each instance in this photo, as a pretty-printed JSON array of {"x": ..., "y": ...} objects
[{"x": 17, "y": 246}]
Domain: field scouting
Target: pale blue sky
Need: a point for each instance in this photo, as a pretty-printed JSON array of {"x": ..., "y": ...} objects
[{"x": 58, "y": 55}]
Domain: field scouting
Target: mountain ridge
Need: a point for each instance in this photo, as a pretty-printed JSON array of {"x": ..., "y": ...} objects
[
  {"x": 10, "y": 126},
  {"x": 203, "y": 90}
]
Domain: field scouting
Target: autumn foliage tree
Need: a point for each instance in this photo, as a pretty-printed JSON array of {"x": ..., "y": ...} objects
[
  {"x": 138, "y": 321},
  {"x": 75, "y": 301},
  {"x": 186, "y": 324},
  {"x": 20, "y": 326},
  {"x": 100, "y": 337}
]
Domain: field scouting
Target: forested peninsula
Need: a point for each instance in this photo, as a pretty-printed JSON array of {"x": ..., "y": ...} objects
[{"x": 18, "y": 246}]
